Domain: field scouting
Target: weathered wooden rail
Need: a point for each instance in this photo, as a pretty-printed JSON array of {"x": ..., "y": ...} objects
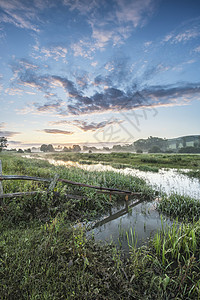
[{"x": 52, "y": 183}]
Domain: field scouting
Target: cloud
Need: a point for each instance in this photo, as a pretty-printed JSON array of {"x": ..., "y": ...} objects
[
  {"x": 84, "y": 48},
  {"x": 55, "y": 107},
  {"x": 188, "y": 31},
  {"x": 8, "y": 133},
  {"x": 1, "y": 85},
  {"x": 2, "y": 125},
  {"x": 113, "y": 99},
  {"x": 13, "y": 91},
  {"x": 82, "y": 5},
  {"x": 19, "y": 13},
  {"x": 48, "y": 107},
  {"x": 197, "y": 49},
  {"x": 110, "y": 21},
  {"x": 94, "y": 63},
  {"x": 137, "y": 12},
  {"x": 185, "y": 36},
  {"x": 113, "y": 91},
  {"x": 155, "y": 70},
  {"x": 56, "y": 52},
  {"x": 25, "y": 74},
  {"x": 103, "y": 36},
  {"x": 58, "y": 131},
  {"x": 15, "y": 142},
  {"x": 82, "y": 80},
  {"x": 85, "y": 126}
]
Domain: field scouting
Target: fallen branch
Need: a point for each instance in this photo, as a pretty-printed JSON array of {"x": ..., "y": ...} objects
[
  {"x": 21, "y": 177},
  {"x": 12, "y": 195},
  {"x": 20, "y": 194},
  {"x": 94, "y": 187},
  {"x": 119, "y": 193}
]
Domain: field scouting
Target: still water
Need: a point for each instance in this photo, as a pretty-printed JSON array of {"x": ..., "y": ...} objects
[
  {"x": 165, "y": 181},
  {"x": 141, "y": 218}
]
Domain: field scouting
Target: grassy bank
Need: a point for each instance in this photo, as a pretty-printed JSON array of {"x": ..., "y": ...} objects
[
  {"x": 148, "y": 162},
  {"x": 184, "y": 208},
  {"x": 43, "y": 207},
  {"x": 44, "y": 256},
  {"x": 193, "y": 174}
]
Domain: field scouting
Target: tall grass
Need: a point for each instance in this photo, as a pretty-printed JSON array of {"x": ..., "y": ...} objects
[
  {"x": 44, "y": 256},
  {"x": 177, "y": 248},
  {"x": 183, "y": 207}
]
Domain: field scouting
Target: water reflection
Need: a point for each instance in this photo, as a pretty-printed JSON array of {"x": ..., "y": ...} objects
[
  {"x": 166, "y": 181},
  {"x": 142, "y": 217}
]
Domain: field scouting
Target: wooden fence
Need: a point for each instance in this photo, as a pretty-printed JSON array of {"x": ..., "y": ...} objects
[{"x": 52, "y": 183}]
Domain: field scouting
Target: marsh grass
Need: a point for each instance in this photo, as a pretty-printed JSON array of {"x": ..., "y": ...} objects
[
  {"x": 192, "y": 173},
  {"x": 177, "y": 248},
  {"x": 44, "y": 253},
  {"x": 133, "y": 160},
  {"x": 183, "y": 207}
]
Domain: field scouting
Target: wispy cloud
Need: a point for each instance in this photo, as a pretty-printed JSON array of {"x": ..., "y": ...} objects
[
  {"x": 58, "y": 131},
  {"x": 111, "y": 22},
  {"x": 19, "y": 13},
  {"x": 86, "y": 126},
  {"x": 2, "y": 125},
  {"x": 114, "y": 91},
  {"x": 83, "y": 48},
  {"x": 155, "y": 70},
  {"x": 137, "y": 12},
  {"x": 82, "y": 5},
  {"x": 13, "y": 91},
  {"x": 48, "y": 107},
  {"x": 117, "y": 100},
  {"x": 56, "y": 52},
  {"x": 186, "y": 36},
  {"x": 184, "y": 33},
  {"x": 197, "y": 49},
  {"x": 8, "y": 133}
]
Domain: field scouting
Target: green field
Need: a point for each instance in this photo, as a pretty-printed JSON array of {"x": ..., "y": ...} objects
[{"x": 44, "y": 256}]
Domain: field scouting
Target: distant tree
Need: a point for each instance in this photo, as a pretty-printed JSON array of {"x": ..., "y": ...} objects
[
  {"x": 50, "y": 148},
  {"x": 43, "y": 148},
  {"x": 3, "y": 143},
  {"x": 155, "y": 149},
  {"x": 47, "y": 148},
  {"x": 76, "y": 148},
  {"x": 106, "y": 149},
  {"x": 189, "y": 149},
  {"x": 117, "y": 148},
  {"x": 139, "y": 151},
  {"x": 90, "y": 151},
  {"x": 65, "y": 149},
  {"x": 20, "y": 151},
  {"x": 147, "y": 144},
  {"x": 27, "y": 150},
  {"x": 85, "y": 148}
]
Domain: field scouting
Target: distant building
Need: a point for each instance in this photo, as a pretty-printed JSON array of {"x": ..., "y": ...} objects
[
  {"x": 185, "y": 141},
  {"x": 174, "y": 144}
]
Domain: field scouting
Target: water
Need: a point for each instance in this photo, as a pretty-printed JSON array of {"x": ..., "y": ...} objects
[
  {"x": 143, "y": 217},
  {"x": 165, "y": 181}
]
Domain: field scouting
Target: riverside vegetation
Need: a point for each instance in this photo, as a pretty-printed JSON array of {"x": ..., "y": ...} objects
[
  {"x": 44, "y": 253},
  {"x": 143, "y": 162}
]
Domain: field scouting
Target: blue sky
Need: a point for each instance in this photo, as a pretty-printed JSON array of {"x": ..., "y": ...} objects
[{"x": 80, "y": 71}]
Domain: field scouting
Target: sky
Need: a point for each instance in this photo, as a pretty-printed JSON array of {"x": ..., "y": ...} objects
[{"x": 98, "y": 72}]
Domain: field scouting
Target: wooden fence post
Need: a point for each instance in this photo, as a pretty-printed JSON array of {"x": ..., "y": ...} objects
[
  {"x": 53, "y": 183},
  {"x": 1, "y": 186}
]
